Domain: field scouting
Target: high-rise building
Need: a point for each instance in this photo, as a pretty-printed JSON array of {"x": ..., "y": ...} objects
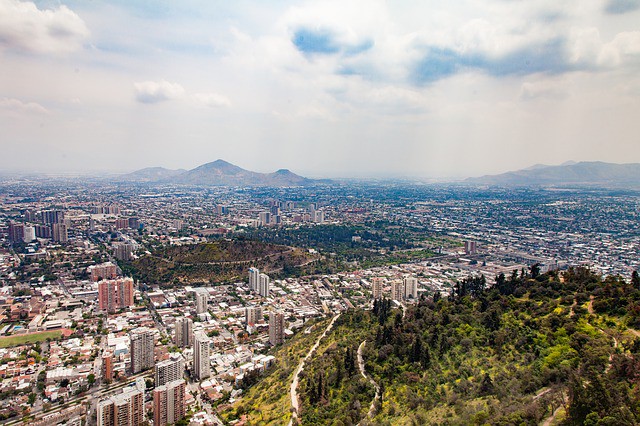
[
  {"x": 318, "y": 216},
  {"x": 30, "y": 215},
  {"x": 169, "y": 403},
  {"x": 397, "y": 290},
  {"x": 222, "y": 209},
  {"x": 265, "y": 218},
  {"x": 201, "y": 361},
  {"x": 29, "y": 234},
  {"x": 43, "y": 231},
  {"x": 183, "y": 334},
  {"x": 122, "y": 223},
  {"x": 254, "y": 277},
  {"x": 142, "y": 346},
  {"x": 16, "y": 232},
  {"x": 115, "y": 294},
  {"x": 134, "y": 223},
  {"x": 410, "y": 288},
  {"x": 169, "y": 370},
  {"x": 253, "y": 315},
  {"x": 264, "y": 285},
  {"x": 376, "y": 287},
  {"x": 123, "y": 251},
  {"x": 49, "y": 217},
  {"x": 125, "y": 409},
  {"x": 470, "y": 247},
  {"x": 276, "y": 328},
  {"x": 202, "y": 302},
  {"x": 107, "y": 366},
  {"x": 59, "y": 232},
  {"x": 104, "y": 271}
]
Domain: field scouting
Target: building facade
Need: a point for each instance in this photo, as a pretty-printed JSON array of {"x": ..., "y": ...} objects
[
  {"x": 201, "y": 353},
  {"x": 276, "y": 328},
  {"x": 169, "y": 370},
  {"x": 169, "y": 403},
  {"x": 125, "y": 409},
  {"x": 183, "y": 333},
  {"x": 142, "y": 349},
  {"x": 115, "y": 294}
]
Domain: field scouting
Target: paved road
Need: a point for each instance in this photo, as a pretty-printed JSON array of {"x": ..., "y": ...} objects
[{"x": 295, "y": 404}]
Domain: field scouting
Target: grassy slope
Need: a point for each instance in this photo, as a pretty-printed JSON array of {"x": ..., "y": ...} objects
[{"x": 268, "y": 402}]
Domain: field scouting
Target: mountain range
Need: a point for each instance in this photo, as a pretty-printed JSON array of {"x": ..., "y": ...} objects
[
  {"x": 216, "y": 173},
  {"x": 587, "y": 173},
  {"x": 222, "y": 173}
]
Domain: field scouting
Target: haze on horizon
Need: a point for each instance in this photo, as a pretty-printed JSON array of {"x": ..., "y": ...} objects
[{"x": 325, "y": 89}]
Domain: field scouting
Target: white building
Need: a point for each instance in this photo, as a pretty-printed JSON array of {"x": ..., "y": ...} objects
[
  {"x": 410, "y": 288},
  {"x": 264, "y": 285},
  {"x": 201, "y": 362}
]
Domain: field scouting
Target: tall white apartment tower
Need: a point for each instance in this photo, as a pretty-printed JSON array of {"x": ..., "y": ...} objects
[
  {"x": 376, "y": 287},
  {"x": 397, "y": 290},
  {"x": 254, "y": 277},
  {"x": 276, "y": 328},
  {"x": 264, "y": 285},
  {"x": 169, "y": 370},
  {"x": 201, "y": 362},
  {"x": 183, "y": 334},
  {"x": 202, "y": 303},
  {"x": 142, "y": 345},
  {"x": 410, "y": 288}
]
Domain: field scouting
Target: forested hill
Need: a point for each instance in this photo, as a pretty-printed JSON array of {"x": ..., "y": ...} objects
[{"x": 554, "y": 349}]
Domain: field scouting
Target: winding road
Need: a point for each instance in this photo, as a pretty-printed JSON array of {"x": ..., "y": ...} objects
[
  {"x": 372, "y": 407},
  {"x": 295, "y": 404}
]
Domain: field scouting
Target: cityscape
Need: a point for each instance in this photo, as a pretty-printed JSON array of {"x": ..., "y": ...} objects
[
  {"x": 91, "y": 334},
  {"x": 302, "y": 213}
]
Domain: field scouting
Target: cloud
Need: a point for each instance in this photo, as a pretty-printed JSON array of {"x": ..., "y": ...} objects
[
  {"x": 212, "y": 100},
  {"x": 151, "y": 92},
  {"x": 25, "y": 28},
  {"x": 17, "y": 105},
  {"x": 550, "y": 57},
  {"x": 323, "y": 41},
  {"x": 618, "y": 7}
]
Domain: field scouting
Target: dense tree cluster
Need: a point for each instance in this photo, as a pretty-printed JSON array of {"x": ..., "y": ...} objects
[{"x": 509, "y": 353}]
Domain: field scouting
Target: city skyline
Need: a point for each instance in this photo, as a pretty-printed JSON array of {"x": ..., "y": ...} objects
[{"x": 324, "y": 89}]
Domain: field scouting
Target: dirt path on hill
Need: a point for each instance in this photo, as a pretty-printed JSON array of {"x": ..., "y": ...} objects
[
  {"x": 295, "y": 404},
  {"x": 372, "y": 407}
]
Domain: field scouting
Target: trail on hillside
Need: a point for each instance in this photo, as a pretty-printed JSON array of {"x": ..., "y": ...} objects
[
  {"x": 295, "y": 404},
  {"x": 372, "y": 407}
]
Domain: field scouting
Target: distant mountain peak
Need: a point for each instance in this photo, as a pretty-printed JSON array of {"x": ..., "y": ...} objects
[
  {"x": 586, "y": 173},
  {"x": 223, "y": 173}
]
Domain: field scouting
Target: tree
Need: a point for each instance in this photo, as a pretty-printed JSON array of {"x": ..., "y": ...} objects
[
  {"x": 635, "y": 280},
  {"x": 486, "y": 387},
  {"x": 91, "y": 378}
]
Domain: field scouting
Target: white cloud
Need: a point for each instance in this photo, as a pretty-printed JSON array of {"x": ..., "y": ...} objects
[
  {"x": 150, "y": 92},
  {"x": 25, "y": 28},
  {"x": 212, "y": 100},
  {"x": 17, "y": 105}
]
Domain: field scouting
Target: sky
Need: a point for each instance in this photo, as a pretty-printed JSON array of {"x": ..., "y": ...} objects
[{"x": 428, "y": 89}]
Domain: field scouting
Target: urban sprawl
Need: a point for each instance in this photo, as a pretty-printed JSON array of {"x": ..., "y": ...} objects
[{"x": 83, "y": 341}]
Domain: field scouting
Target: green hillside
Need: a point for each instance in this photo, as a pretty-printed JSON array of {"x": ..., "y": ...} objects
[
  {"x": 550, "y": 349},
  {"x": 218, "y": 261}
]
